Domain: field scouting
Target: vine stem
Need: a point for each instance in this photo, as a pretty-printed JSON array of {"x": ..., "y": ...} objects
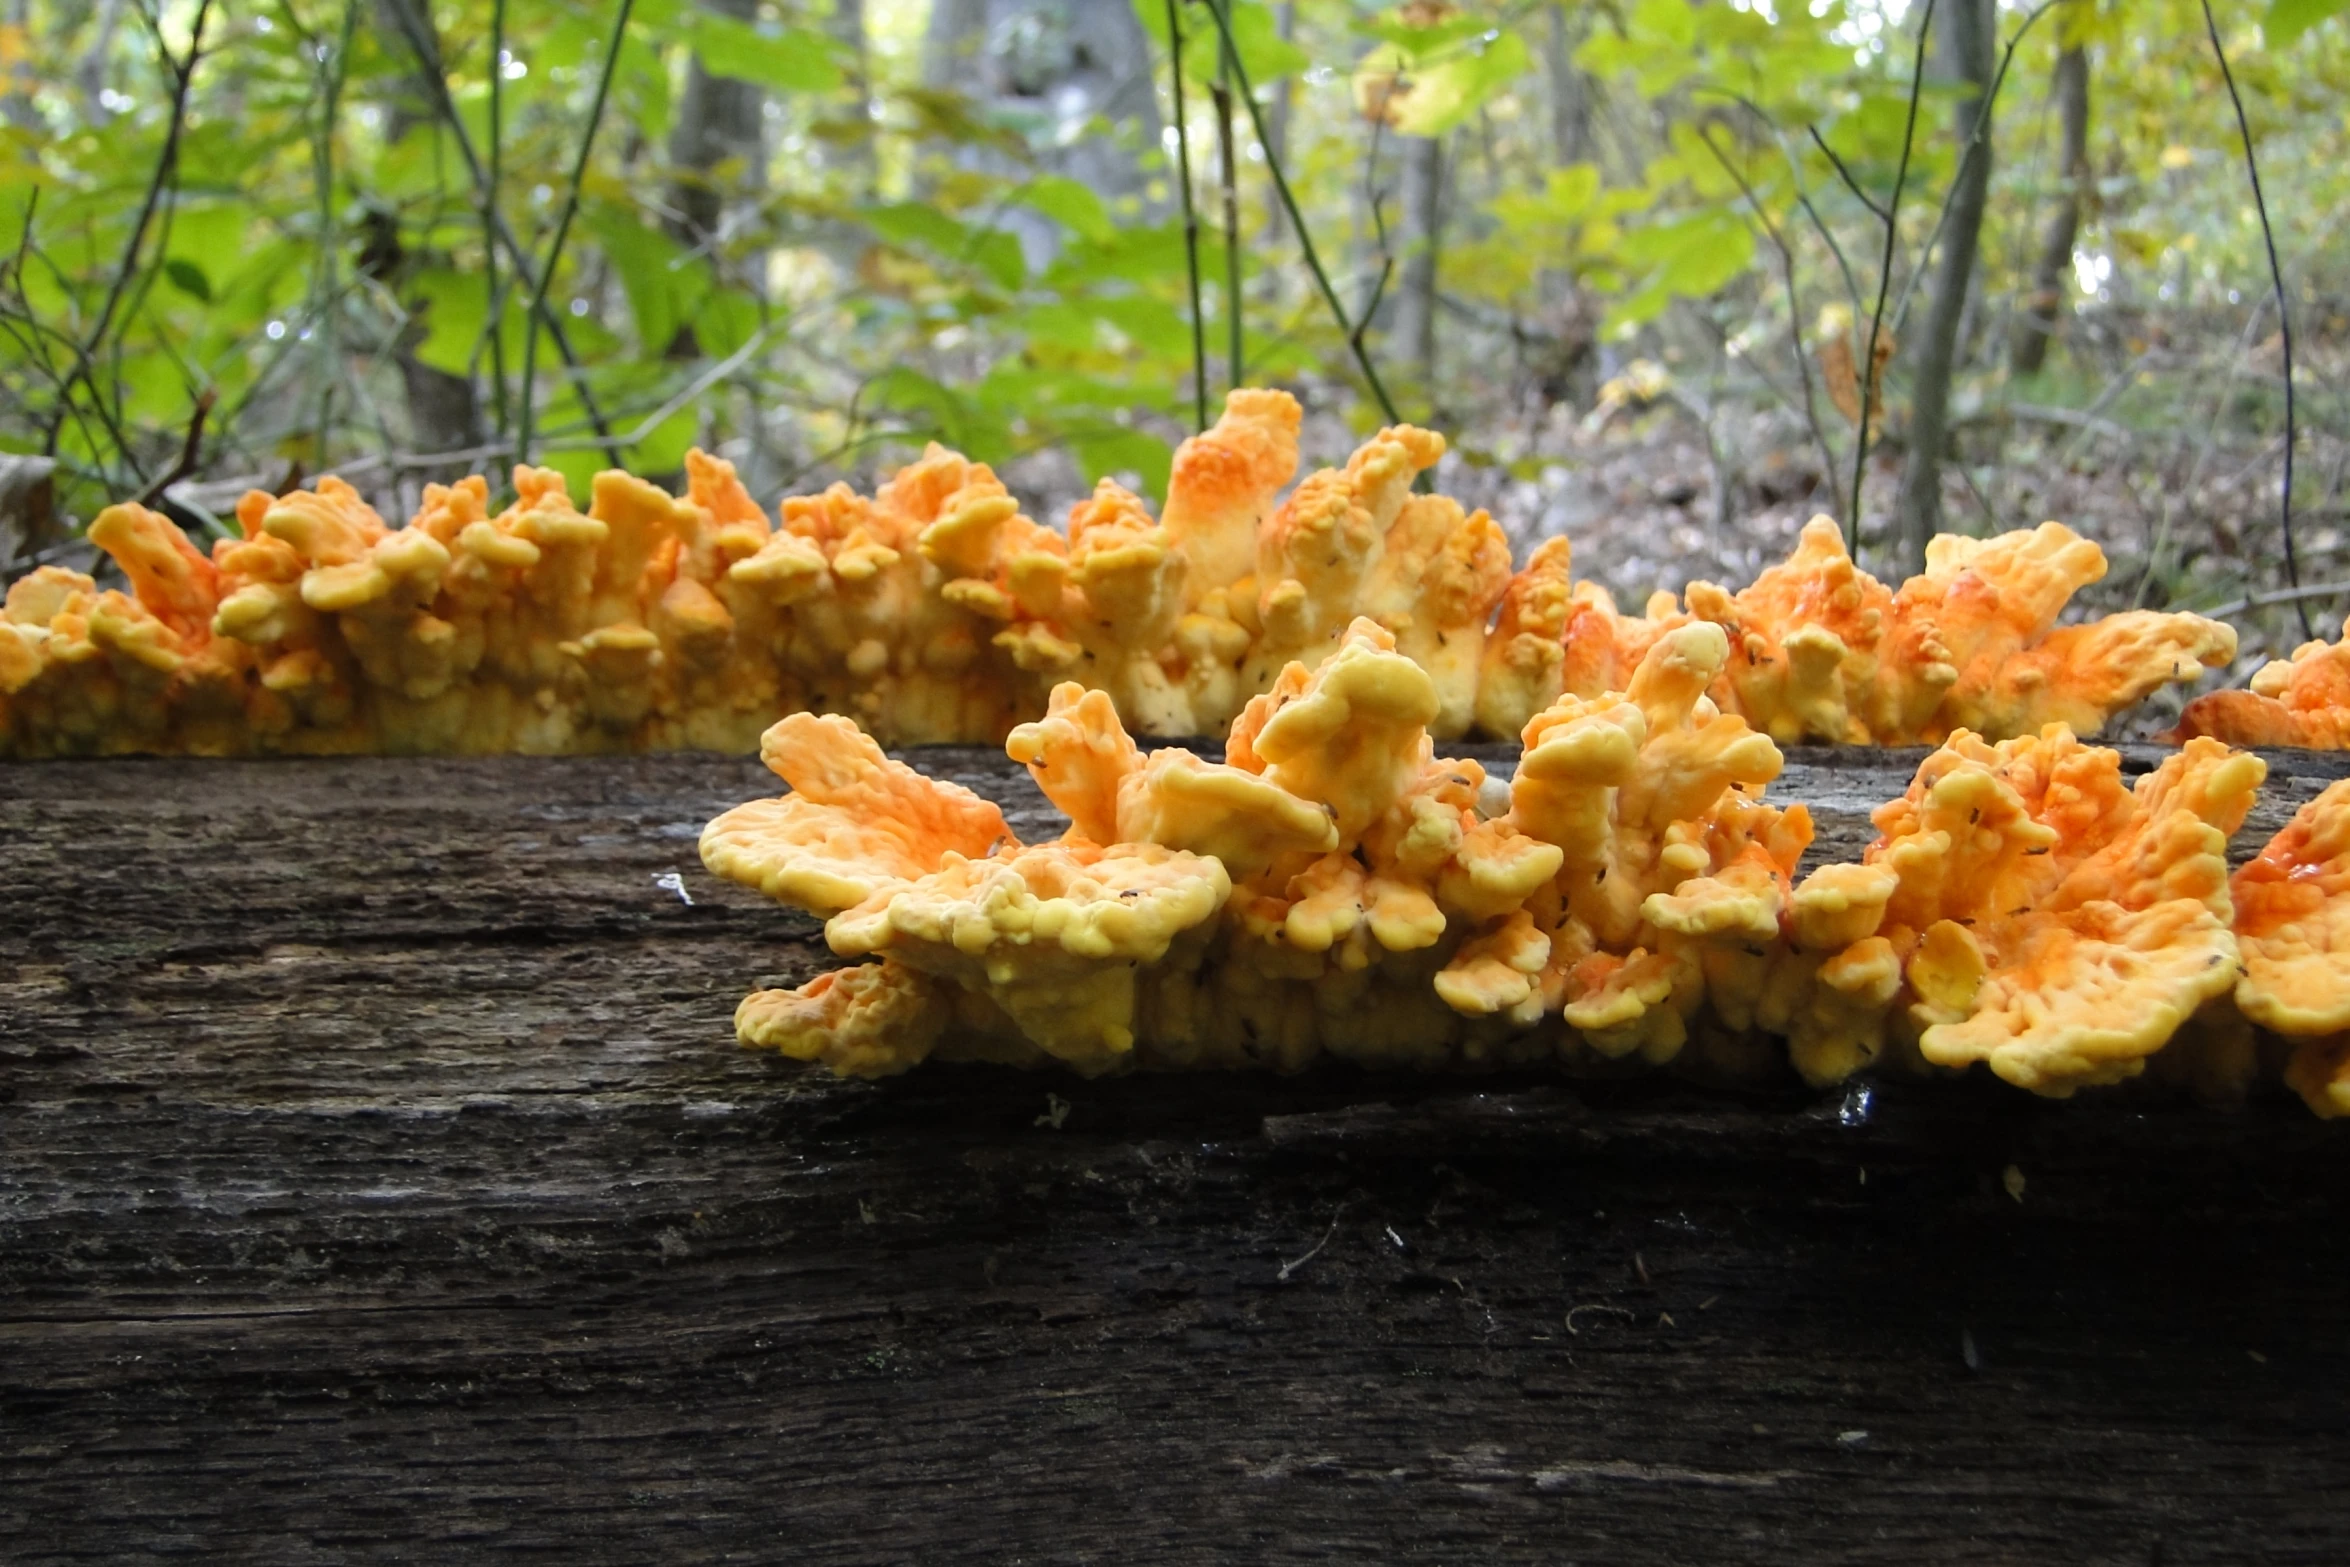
[
  {"x": 421, "y": 45},
  {"x": 1868, "y": 363},
  {"x": 1305, "y": 239},
  {"x": 489, "y": 211},
  {"x": 2276, "y": 276},
  {"x": 1199, "y": 330},
  {"x": 183, "y": 75},
  {"x": 538, "y": 298},
  {"x": 1231, "y": 181}
]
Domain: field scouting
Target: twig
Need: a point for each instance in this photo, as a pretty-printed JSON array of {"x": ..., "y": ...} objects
[
  {"x": 2276, "y": 274},
  {"x": 1845, "y": 174},
  {"x": 323, "y": 166},
  {"x": 1305, "y": 239},
  {"x": 700, "y": 384},
  {"x": 2071, "y": 419},
  {"x": 428, "y": 61},
  {"x": 1974, "y": 141},
  {"x": 1990, "y": 513},
  {"x": 183, "y": 74},
  {"x": 188, "y": 452},
  {"x": 1375, "y": 199},
  {"x": 1778, "y": 240},
  {"x": 538, "y": 295},
  {"x": 1222, "y": 96},
  {"x": 1868, "y": 363},
  {"x": 489, "y": 213},
  {"x": 1288, "y": 1268},
  {"x": 1199, "y": 329},
  {"x": 2297, "y": 597}
]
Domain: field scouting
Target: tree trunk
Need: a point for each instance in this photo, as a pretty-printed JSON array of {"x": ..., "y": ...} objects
[
  {"x": 856, "y": 156},
  {"x": 719, "y": 121},
  {"x": 443, "y": 410},
  {"x": 1277, "y": 113},
  {"x": 1414, "y": 329},
  {"x": 2028, "y": 349},
  {"x": 1968, "y": 35},
  {"x": 1570, "y": 91},
  {"x": 1061, "y": 65},
  {"x": 90, "y": 70}
]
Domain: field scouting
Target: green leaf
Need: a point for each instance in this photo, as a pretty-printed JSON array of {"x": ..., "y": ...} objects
[
  {"x": 664, "y": 284},
  {"x": 794, "y": 60},
  {"x": 1072, "y": 205},
  {"x": 455, "y": 308},
  {"x": 188, "y": 278},
  {"x": 726, "y": 320},
  {"x": 2287, "y": 20},
  {"x": 1423, "y": 43},
  {"x": 1265, "y": 55},
  {"x": 1442, "y": 95},
  {"x": 970, "y": 425},
  {"x": 1056, "y": 324},
  {"x": 918, "y": 224},
  {"x": 664, "y": 447},
  {"x": 1110, "y": 451}
]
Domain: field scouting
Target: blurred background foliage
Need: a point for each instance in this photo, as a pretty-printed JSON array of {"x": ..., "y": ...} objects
[{"x": 1630, "y": 255}]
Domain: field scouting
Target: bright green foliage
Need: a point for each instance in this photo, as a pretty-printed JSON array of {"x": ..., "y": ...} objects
[{"x": 902, "y": 262}]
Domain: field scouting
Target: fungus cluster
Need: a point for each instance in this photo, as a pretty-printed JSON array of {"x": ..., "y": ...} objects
[
  {"x": 1336, "y": 888},
  {"x": 936, "y": 610},
  {"x": 2300, "y": 701},
  {"x": 1822, "y": 651}
]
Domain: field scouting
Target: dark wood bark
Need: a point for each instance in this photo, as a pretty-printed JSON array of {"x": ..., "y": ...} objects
[
  {"x": 2052, "y": 272},
  {"x": 379, "y": 1180},
  {"x": 1968, "y": 44}
]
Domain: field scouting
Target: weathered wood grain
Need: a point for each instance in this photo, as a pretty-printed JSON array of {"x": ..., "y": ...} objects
[{"x": 379, "y": 1180}]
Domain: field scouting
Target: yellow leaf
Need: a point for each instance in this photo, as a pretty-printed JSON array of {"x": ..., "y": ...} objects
[{"x": 2177, "y": 157}]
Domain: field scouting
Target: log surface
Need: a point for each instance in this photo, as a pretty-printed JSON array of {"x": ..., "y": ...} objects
[{"x": 379, "y": 1180}]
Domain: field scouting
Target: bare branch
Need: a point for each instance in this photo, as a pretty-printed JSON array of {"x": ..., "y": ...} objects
[{"x": 2276, "y": 274}]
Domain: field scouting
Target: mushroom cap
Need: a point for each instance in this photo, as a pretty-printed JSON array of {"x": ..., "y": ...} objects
[
  {"x": 2303, "y": 701},
  {"x": 872, "y": 1020},
  {"x": 1352, "y": 735},
  {"x": 2292, "y": 905},
  {"x": 1223, "y": 481},
  {"x": 856, "y": 823},
  {"x": 1116, "y": 903},
  {"x": 2062, "y": 927},
  {"x": 1079, "y": 755}
]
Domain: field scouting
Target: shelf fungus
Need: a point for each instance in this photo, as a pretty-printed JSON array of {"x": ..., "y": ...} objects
[
  {"x": 937, "y": 610},
  {"x": 2046, "y": 919},
  {"x": 1822, "y": 651},
  {"x": 2293, "y": 920},
  {"x": 2300, "y": 701},
  {"x": 1333, "y": 889}
]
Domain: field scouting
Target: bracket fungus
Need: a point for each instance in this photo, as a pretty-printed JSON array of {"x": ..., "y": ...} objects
[
  {"x": 935, "y": 610},
  {"x": 1335, "y": 889},
  {"x": 2300, "y": 701},
  {"x": 2053, "y": 922},
  {"x": 2292, "y": 905},
  {"x": 1823, "y": 651}
]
